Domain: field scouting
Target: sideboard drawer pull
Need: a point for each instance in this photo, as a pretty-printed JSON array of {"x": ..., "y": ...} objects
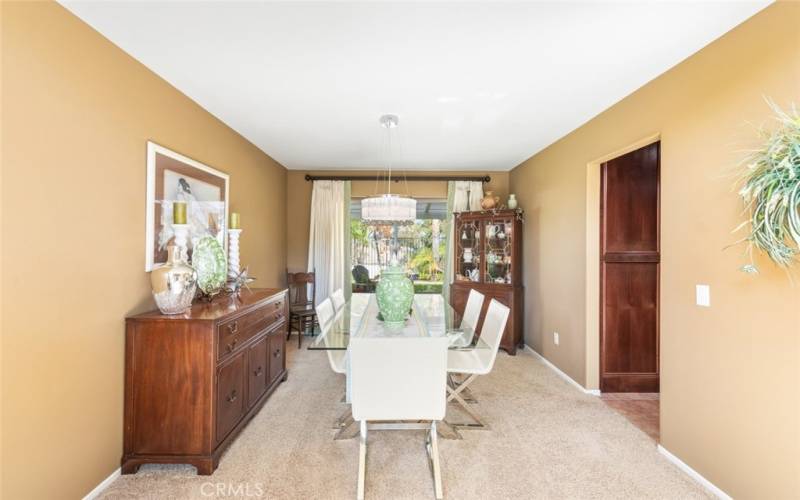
[
  {"x": 276, "y": 353},
  {"x": 257, "y": 371},
  {"x": 234, "y": 327},
  {"x": 233, "y": 396},
  {"x": 230, "y": 347}
]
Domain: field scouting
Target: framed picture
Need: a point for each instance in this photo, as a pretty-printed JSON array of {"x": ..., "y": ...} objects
[{"x": 173, "y": 177}]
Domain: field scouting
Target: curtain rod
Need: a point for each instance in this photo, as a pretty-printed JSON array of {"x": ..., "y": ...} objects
[{"x": 410, "y": 178}]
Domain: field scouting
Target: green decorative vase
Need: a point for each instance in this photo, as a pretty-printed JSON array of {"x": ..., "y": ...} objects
[{"x": 395, "y": 293}]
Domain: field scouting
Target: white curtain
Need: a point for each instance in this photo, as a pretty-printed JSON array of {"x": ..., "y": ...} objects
[
  {"x": 449, "y": 225},
  {"x": 475, "y": 195},
  {"x": 326, "y": 241},
  {"x": 467, "y": 196}
]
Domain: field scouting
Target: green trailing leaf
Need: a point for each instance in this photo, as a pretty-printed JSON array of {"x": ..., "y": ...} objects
[{"x": 771, "y": 190}]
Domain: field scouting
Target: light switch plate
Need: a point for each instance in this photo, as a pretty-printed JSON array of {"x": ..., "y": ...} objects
[
  {"x": 555, "y": 338},
  {"x": 703, "y": 293}
]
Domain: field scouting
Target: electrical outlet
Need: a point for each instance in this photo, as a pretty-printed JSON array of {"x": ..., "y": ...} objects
[
  {"x": 555, "y": 338},
  {"x": 703, "y": 295}
]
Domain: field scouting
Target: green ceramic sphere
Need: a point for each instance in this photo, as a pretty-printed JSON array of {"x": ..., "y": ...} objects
[{"x": 395, "y": 293}]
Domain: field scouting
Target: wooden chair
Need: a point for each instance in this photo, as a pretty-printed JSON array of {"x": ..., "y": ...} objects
[{"x": 302, "y": 309}]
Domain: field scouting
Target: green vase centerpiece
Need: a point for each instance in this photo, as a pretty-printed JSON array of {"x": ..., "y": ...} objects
[{"x": 395, "y": 293}]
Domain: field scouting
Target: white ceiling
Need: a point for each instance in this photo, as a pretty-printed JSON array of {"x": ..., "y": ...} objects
[{"x": 477, "y": 86}]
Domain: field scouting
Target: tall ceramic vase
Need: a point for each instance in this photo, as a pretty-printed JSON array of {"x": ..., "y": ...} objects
[{"x": 395, "y": 293}]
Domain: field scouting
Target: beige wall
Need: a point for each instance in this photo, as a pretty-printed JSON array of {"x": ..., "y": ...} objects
[
  {"x": 76, "y": 115},
  {"x": 730, "y": 373},
  {"x": 298, "y": 212}
]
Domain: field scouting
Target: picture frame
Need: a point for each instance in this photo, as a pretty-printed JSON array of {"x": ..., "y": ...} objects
[{"x": 172, "y": 177}]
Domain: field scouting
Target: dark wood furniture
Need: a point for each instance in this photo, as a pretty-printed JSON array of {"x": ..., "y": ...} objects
[
  {"x": 629, "y": 272},
  {"x": 194, "y": 380},
  {"x": 302, "y": 309},
  {"x": 488, "y": 258}
]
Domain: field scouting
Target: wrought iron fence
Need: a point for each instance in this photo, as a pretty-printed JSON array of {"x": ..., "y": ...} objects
[{"x": 374, "y": 254}]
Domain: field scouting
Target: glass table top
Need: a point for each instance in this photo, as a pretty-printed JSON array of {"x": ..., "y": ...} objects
[{"x": 430, "y": 316}]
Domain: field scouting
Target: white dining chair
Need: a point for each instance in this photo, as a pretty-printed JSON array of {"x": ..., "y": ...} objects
[
  {"x": 477, "y": 361},
  {"x": 473, "y": 309},
  {"x": 338, "y": 299},
  {"x": 398, "y": 379},
  {"x": 325, "y": 312},
  {"x": 337, "y": 358}
]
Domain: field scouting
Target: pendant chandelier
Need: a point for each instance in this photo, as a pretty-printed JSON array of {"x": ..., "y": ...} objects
[{"x": 389, "y": 208}]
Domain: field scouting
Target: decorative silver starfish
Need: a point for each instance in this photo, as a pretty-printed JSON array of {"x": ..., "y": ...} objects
[{"x": 236, "y": 283}]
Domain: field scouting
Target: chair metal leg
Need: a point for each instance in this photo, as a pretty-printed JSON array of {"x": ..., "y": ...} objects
[
  {"x": 434, "y": 454},
  {"x": 467, "y": 394},
  {"x": 455, "y": 395},
  {"x": 348, "y": 432},
  {"x": 362, "y": 460},
  {"x": 478, "y": 421},
  {"x": 344, "y": 421},
  {"x": 447, "y": 431},
  {"x": 460, "y": 387}
]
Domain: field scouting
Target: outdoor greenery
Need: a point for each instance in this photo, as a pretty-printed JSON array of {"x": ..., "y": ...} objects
[
  {"x": 421, "y": 248},
  {"x": 771, "y": 191}
]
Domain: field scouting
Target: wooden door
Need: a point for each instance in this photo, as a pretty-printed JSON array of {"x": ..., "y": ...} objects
[{"x": 629, "y": 272}]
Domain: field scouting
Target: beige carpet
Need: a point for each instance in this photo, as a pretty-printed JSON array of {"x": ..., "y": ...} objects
[{"x": 548, "y": 440}]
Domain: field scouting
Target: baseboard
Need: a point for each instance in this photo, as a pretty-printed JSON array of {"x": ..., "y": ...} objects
[
  {"x": 102, "y": 486},
  {"x": 694, "y": 474},
  {"x": 592, "y": 392}
]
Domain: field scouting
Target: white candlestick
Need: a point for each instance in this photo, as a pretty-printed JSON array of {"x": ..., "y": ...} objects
[
  {"x": 181, "y": 232},
  {"x": 233, "y": 252}
]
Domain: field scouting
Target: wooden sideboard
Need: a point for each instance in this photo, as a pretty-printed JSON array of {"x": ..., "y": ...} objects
[
  {"x": 194, "y": 380},
  {"x": 488, "y": 258}
]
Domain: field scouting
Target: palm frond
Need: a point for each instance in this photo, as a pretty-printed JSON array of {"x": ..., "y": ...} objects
[{"x": 770, "y": 189}]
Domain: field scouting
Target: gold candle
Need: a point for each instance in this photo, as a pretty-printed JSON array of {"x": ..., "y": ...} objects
[
  {"x": 179, "y": 212},
  {"x": 235, "y": 221}
]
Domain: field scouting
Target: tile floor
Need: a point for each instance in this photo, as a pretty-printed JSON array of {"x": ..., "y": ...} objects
[{"x": 641, "y": 409}]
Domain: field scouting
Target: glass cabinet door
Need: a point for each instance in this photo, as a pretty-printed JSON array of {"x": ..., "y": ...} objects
[
  {"x": 499, "y": 234},
  {"x": 468, "y": 251}
]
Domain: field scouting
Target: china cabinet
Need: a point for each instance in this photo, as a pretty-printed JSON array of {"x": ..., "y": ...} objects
[{"x": 488, "y": 258}]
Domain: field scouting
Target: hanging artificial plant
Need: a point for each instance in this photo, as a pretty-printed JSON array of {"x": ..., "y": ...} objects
[{"x": 771, "y": 192}]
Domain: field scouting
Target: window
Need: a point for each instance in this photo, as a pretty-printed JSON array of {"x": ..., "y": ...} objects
[{"x": 420, "y": 247}]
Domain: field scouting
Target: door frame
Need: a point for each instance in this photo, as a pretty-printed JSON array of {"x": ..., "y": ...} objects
[{"x": 592, "y": 292}]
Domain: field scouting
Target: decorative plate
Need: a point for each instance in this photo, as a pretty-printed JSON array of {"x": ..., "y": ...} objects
[{"x": 208, "y": 259}]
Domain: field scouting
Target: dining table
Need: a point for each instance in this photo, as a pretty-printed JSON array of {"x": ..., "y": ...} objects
[{"x": 430, "y": 316}]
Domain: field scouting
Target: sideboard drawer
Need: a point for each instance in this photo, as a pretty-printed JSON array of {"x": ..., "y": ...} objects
[
  {"x": 277, "y": 310},
  {"x": 235, "y": 333},
  {"x": 230, "y": 395}
]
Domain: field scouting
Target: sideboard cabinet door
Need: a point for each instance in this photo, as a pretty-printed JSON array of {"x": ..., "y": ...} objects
[
  {"x": 230, "y": 394},
  {"x": 257, "y": 370},
  {"x": 276, "y": 354}
]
